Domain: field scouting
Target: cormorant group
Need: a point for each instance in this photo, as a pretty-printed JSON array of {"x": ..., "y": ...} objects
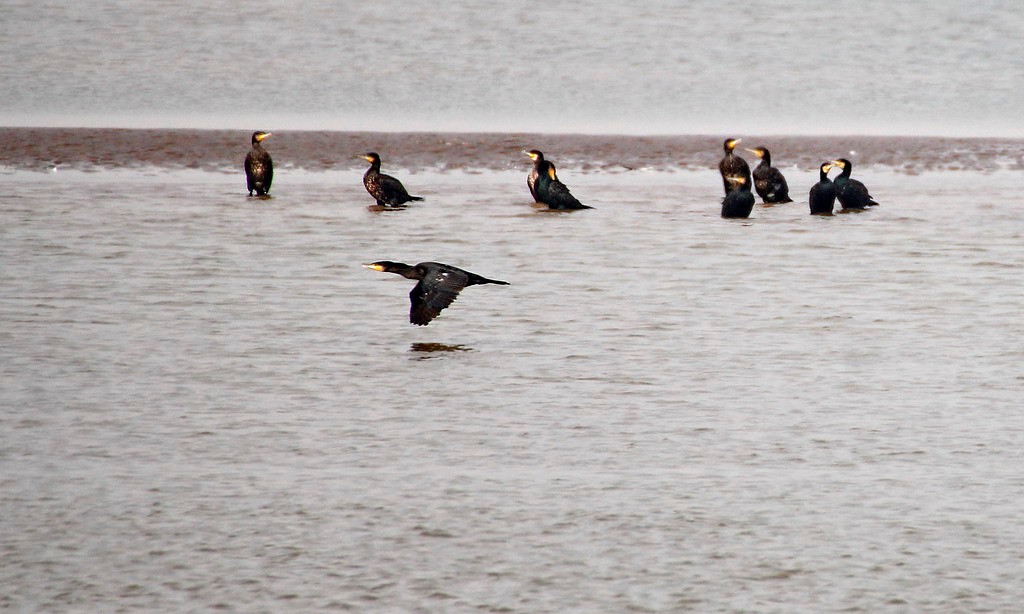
[
  {"x": 771, "y": 185},
  {"x": 439, "y": 284}
]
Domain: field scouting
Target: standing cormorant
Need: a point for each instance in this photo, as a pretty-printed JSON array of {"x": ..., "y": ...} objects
[
  {"x": 768, "y": 181},
  {"x": 439, "y": 285},
  {"x": 259, "y": 168},
  {"x": 738, "y": 202},
  {"x": 553, "y": 192},
  {"x": 733, "y": 166},
  {"x": 531, "y": 179},
  {"x": 385, "y": 189},
  {"x": 822, "y": 197},
  {"x": 851, "y": 193}
]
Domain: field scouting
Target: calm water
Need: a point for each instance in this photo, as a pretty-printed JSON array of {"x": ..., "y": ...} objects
[
  {"x": 208, "y": 403},
  {"x": 595, "y": 66}
]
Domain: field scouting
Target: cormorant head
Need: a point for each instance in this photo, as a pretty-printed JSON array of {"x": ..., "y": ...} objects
[
  {"x": 737, "y": 179},
  {"x": 842, "y": 163},
  {"x": 731, "y": 144},
  {"x": 398, "y": 268},
  {"x": 370, "y": 157},
  {"x": 385, "y": 266},
  {"x": 760, "y": 152},
  {"x": 258, "y": 136},
  {"x": 826, "y": 167},
  {"x": 534, "y": 154}
]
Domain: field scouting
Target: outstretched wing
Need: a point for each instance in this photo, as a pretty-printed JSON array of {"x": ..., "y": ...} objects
[{"x": 434, "y": 292}]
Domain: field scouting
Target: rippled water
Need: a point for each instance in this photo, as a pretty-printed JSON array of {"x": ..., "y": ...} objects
[{"x": 208, "y": 403}]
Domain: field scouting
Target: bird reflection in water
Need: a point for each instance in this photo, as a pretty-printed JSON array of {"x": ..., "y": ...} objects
[
  {"x": 435, "y": 350},
  {"x": 379, "y": 208}
]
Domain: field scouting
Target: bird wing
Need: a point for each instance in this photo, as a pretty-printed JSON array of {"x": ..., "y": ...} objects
[
  {"x": 816, "y": 192},
  {"x": 559, "y": 197},
  {"x": 856, "y": 193},
  {"x": 862, "y": 189},
  {"x": 250, "y": 181},
  {"x": 822, "y": 195},
  {"x": 392, "y": 191},
  {"x": 733, "y": 166},
  {"x": 259, "y": 170},
  {"x": 434, "y": 292},
  {"x": 531, "y": 182},
  {"x": 776, "y": 183}
]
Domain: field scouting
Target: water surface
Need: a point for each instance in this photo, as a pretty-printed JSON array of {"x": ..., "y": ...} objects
[{"x": 208, "y": 403}]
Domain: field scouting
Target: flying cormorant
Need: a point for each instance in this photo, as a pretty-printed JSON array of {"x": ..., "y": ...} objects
[
  {"x": 385, "y": 189},
  {"x": 438, "y": 285}
]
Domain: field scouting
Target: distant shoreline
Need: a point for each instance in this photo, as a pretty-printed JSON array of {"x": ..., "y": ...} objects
[{"x": 39, "y": 148}]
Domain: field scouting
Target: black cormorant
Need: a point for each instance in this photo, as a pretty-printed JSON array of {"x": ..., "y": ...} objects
[
  {"x": 768, "y": 181},
  {"x": 531, "y": 179},
  {"x": 553, "y": 192},
  {"x": 387, "y": 190},
  {"x": 259, "y": 168},
  {"x": 733, "y": 166},
  {"x": 740, "y": 201},
  {"x": 439, "y": 285},
  {"x": 822, "y": 197},
  {"x": 851, "y": 193}
]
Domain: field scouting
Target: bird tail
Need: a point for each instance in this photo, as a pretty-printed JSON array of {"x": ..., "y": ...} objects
[{"x": 415, "y": 198}]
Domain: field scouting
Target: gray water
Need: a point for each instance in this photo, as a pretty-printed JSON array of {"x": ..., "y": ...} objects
[
  {"x": 598, "y": 66},
  {"x": 209, "y": 404}
]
